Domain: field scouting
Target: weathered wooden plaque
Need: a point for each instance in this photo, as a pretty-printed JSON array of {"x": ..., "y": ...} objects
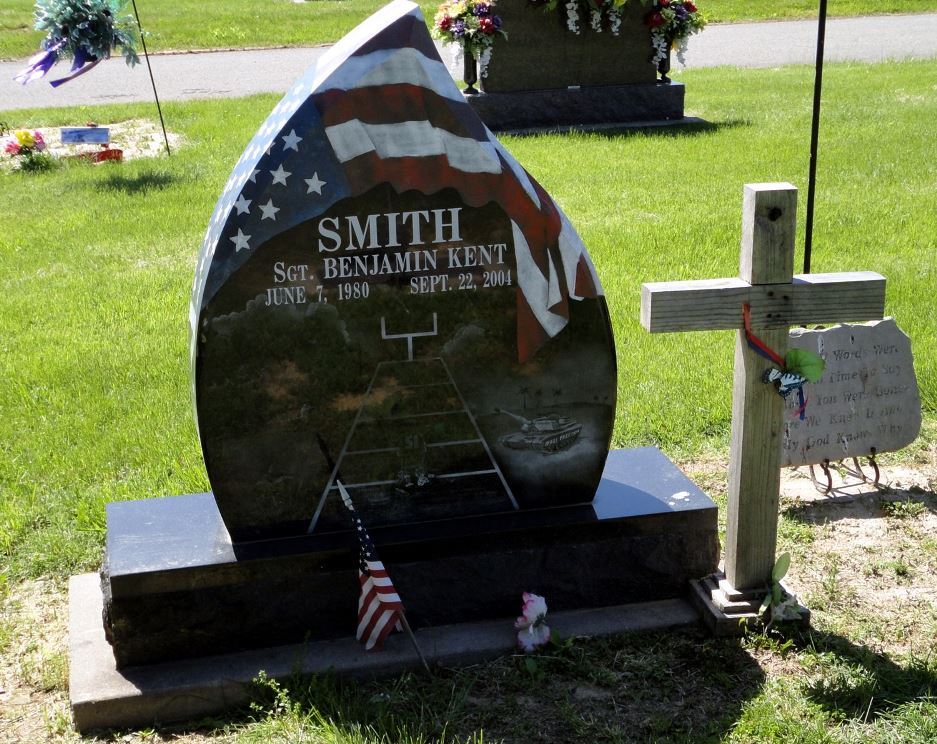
[{"x": 867, "y": 401}]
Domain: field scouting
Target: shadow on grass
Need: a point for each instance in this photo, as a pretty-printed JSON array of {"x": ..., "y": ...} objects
[
  {"x": 854, "y": 682},
  {"x": 692, "y": 126},
  {"x": 636, "y": 687},
  {"x": 868, "y": 503},
  {"x": 139, "y": 183}
]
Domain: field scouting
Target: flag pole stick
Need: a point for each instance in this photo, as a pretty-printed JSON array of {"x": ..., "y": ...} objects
[
  {"x": 406, "y": 626},
  {"x": 146, "y": 56},
  {"x": 348, "y": 504}
]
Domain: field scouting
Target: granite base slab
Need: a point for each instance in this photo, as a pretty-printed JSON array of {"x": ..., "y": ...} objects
[
  {"x": 176, "y": 587},
  {"x": 103, "y": 696},
  {"x": 606, "y": 104}
]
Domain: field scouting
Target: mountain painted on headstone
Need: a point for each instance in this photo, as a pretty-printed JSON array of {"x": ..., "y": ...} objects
[{"x": 385, "y": 297}]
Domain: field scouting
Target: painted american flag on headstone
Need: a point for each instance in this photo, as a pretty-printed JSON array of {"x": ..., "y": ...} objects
[{"x": 347, "y": 124}]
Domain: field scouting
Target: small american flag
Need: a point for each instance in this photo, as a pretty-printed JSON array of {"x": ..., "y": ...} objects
[{"x": 379, "y": 606}]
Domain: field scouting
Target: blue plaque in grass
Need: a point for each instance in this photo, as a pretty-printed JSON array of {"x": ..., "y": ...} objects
[{"x": 85, "y": 135}]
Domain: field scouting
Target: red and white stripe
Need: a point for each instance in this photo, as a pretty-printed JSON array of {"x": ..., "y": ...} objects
[
  {"x": 379, "y": 607},
  {"x": 392, "y": 114}
]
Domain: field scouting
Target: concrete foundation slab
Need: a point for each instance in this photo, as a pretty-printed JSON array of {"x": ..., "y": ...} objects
[{"x": 104, "y": 697}]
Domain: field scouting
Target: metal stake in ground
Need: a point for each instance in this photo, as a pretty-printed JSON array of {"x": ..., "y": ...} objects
[
  {"x": 777, "y": 300},
  {"x": 146, "y": 56},
  {"x": 814, "y": 136}
]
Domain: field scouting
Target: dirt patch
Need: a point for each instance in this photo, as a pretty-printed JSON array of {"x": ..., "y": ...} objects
[
  {"x": 864, "y": 561},
  {"x": 34, "y": 667},
  {"x": 136, "y": 138}
]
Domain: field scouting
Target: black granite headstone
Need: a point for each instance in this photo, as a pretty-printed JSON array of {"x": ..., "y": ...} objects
[
  {"x": 545, "y": 76},
  {"x": 386, "y": 298}
]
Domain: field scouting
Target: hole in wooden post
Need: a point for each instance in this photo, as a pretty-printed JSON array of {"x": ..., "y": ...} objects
[{"x": 775, "y": 214}]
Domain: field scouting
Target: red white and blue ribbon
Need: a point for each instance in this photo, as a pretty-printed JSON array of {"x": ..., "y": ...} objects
[{"x": 762, "y": 349}]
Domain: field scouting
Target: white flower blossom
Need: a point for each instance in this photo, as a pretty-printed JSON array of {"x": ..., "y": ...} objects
[
  {"x": 483, "y": 59},
  {"x": 596, "y": 20},
  {"x": 572, "y": 17},
  {"x": 660, "y": 46},
  {"x": 680, "y": 45}
]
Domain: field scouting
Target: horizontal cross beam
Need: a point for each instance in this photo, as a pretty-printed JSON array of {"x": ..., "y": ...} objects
[{"x": 716, "y": 304}]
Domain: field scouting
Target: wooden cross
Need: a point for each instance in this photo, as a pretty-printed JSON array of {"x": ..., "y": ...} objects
[{"x": 778, "y": 300}]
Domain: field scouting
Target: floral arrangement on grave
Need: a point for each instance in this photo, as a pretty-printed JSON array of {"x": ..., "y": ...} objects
[
  {"x": 29, "y": 148},
  {"x": 85, "y": 31},
  {"x": 603, "y": 15},
  {"x": 470, "y": 27},
  {"x": 532, "y": 629},
  {"x": 672, "y": 23}
]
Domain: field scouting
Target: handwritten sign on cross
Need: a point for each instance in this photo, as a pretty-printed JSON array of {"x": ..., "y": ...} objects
[{"x": 778, "y": 300}]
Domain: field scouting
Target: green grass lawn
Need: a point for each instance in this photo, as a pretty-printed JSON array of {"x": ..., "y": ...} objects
[
  {"x": 192, "y": 24},
  {"x": 96, "y": 280},
  {"x": 720, "y": 11},
  {"x": 96, "y": 266}
]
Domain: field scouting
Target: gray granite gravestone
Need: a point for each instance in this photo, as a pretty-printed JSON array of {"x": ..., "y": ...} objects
[
  {"x": 867, "y": 401},
  {"x": 386, "y": 299},
  {"x": 543, "y": 75}
]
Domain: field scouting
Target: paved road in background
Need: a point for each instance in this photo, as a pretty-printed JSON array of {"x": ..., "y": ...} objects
[{"x": 229, "y": 74}]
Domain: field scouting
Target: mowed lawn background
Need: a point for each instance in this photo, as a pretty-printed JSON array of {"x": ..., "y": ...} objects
[
  {"x": 96, "y": 267},
  {"x": 175, "y": 25}
]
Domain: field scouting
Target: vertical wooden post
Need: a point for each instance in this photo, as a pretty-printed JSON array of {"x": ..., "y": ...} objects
[
  {"x": 776, "y": 300},
  {"x": 769, "y": 220}
]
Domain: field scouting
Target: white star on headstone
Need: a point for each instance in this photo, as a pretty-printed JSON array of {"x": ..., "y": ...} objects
[
  {"x": 280, "y": 175},
  {"x": 269, "y": 211},
  {"x": 291, "y": 141},
  {"x": 240, "y": 241},
  {"x": 242, "y": 205},
  {"x": 253, "y": 175},
  {"x": 315, "y": 185}
]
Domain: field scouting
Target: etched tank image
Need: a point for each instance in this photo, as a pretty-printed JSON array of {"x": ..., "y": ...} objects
[{"x": 548, "y": 433}]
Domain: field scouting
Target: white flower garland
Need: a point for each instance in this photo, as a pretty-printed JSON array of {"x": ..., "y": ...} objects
[
  {"x": 680, "y": 45},
  {"x": 483, "y": 59},
  {"x": 614, "y": 20},
  {"x": 660, "y": 46},
  {"x": 457, "y": 57},
  {"x": 572, "y": 16},
  {"x": 596, "y": 21}
]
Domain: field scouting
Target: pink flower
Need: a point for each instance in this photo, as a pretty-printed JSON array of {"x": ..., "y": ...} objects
[
  {"x": 532, "y": 630},
  {"x": 12, "y": 147},
  {"x": 40, "y": 143}
]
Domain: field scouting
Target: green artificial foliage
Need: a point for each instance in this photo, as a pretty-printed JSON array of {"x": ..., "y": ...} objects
[
  {"x": 805, "y": 363},
  {"x": 775, "y": 597},
  {"x": 90, "y": 28}
]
